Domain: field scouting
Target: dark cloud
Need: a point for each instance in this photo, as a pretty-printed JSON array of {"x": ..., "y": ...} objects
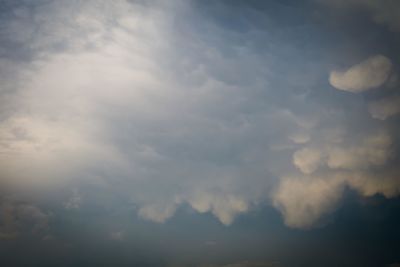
[{"x": 219, "y": 108}]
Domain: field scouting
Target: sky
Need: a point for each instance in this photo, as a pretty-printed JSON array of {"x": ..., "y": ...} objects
[{"x": 189, "y": 133}]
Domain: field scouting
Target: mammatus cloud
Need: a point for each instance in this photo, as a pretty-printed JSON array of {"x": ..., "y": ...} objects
[
  {"x": 372, "y": 150},
  {"x": 368, "y": 74},
  {"x": 304, "y": 200},
  {"x": 328, "y": 169},
  {"x": 384, "y": 108},
  {"x": 224, "y": 207},
  {"x": 117, "y": 93}
]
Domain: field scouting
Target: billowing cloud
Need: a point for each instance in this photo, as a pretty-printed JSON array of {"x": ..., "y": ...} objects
[
  {"x": 384, "y": 108},
  {"x": 368, "y": 74}
]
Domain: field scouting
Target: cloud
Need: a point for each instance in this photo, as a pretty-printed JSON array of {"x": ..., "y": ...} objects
[
  {"x": 75, "y": 201},
  {"x": 382, "y": 12},
  {"x": 307, "y": 159},
  {"x": 371, "y": 150},
  {"x": 304, "y": 200},
  {"x": 163, "y": 113},
  {"x": 368, "y": 74},
  {"x": 374, "y": 150},
  {"x": 17, "y": 218},
  {"x": 224, "y": 207},
  {"x": 157, "y": 212},
  {"x": 384, "y": 108}
]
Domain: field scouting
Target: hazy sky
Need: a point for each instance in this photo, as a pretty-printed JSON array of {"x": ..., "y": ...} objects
[{"x": 200, "y": 133}]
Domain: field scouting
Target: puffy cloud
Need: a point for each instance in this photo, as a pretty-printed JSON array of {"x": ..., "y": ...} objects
[
  {"x": 384, "y": 108},
  {"x": 75, "y": 201},
  {"x": 374, "y": 150},
  {"x": 307, "y": 159},
  {"x": 370, "y": 73},
  {"x": 224, "y": 207},
  {"x": 157, "y": 212},
  {"x": 304, "y": 200}
]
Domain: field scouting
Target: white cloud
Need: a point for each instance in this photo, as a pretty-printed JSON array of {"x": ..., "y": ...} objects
[
  {"x": 157, "y": 212},
  {"x": 304, "y": 200},
  {"x": 224, "y": 207},
  {"x": 370, "y": 73}
]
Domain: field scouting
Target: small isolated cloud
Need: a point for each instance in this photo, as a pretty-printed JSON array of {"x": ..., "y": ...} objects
[
  {"x": 384, "y": 108},
  {"x": 368, "y": 74}
]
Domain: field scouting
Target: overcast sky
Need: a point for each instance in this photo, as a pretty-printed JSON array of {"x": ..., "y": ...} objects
[{"x": 200, "y": 133}]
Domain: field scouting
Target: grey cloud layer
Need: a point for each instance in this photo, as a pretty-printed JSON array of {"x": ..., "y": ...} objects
[{"x": 126, "y": 97}]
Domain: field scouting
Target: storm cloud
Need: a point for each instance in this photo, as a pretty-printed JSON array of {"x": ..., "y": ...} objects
[{"x": 161, "y": 105}]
